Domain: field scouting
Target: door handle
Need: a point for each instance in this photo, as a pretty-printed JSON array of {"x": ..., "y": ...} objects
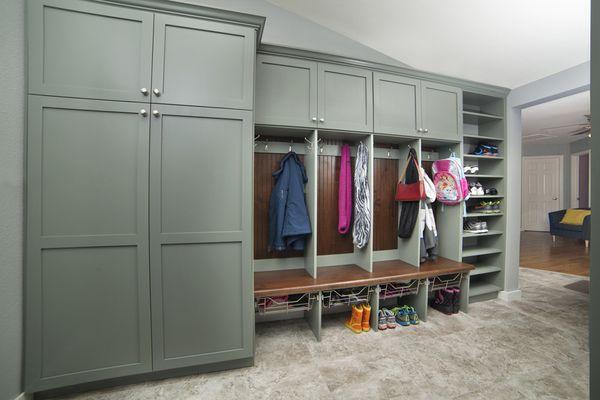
[{"x": 555, "y": 198}]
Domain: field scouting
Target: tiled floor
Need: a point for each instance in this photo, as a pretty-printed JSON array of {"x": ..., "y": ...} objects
[{"x": 536, "y": 348}]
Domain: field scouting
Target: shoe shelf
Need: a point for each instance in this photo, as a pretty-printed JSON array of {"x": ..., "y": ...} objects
[
  {"x": 472, "y": 117},
  {"x": 484, "y": 176},
  {"x": 445, "y": 282},
  {"x": 488, "y": 233},
  {"x": 479, "y": 251},
  {"x": 482, "y": 288},
  {"x": 399, "y": 289},
  {"x": 480, "y": 215},
  {"x": 285, "y": 304},
  {"x": 337, "y": 297},
  {"x": 478, "y": 157},
  {"x": 486, "y": 196},
  {"x": 485, "y": 269},
  {"x": 482, "y": 138}
]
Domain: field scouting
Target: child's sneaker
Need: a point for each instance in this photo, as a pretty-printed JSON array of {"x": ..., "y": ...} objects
[
  {"x": 443, "y": 301},
  {"x": 401, "y": 316},
  {"x": 413, "y": 317},
  {"x": 382, "y": 320},
  {"x": 391, "y": 321}
]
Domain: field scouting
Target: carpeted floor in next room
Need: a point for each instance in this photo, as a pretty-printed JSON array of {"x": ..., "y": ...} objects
[{"x": 536, "y": 348}]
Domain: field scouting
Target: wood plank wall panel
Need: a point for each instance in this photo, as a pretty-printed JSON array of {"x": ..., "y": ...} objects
[
  {"x": 328, "y": 238},
  {"x": 264, "y": 166},
  {"x": 385, "y": 211}
]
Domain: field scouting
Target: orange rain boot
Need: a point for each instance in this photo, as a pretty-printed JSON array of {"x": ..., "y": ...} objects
[
  {"x": 366, "y": 327},
  {"x": 354, "y": 323}
]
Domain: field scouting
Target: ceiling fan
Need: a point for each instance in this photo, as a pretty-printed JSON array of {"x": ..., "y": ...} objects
[{"x": 584, "y": 129}]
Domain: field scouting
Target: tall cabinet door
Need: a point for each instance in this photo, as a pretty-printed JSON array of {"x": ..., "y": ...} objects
[
  {"x": 397, "y": 104},
  {"x": 345, "y": 98},
  {"x": 89, "y": 50},
  {"x": 442, "y": 111},
  {"x": 202, "y": 63},
  {"x": 200, "y": 234},
  {"x": 286, "y": 91},
  {"x": 87, "y": 275}
]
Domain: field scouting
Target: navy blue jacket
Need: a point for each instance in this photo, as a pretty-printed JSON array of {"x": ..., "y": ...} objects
[{"x": 289, "y": 223}]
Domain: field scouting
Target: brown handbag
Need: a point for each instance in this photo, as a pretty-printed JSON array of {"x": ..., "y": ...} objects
[{"x": 410, "y": 191}]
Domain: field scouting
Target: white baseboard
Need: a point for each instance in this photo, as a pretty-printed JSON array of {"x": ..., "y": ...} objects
[
  {"x": 512, "y": 295},
  {"x": 24, "y": 396}
]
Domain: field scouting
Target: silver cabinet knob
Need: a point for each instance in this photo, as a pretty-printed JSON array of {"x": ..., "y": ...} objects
[
  {"x": 314, "y": 119},
  {"x": 156, "y": 92},
  {"x": 155, "y": 113},
  {"x": 426, "y": 130},
  {"x": 144, "y": 91},
  {"x": 321, "y": 119},
  {"x": 143, "y": 112},
  {"x": 555, "y": 198},
  {"x": 420, "y": 130}
]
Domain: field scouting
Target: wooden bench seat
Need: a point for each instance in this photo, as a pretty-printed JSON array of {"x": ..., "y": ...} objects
[{"x": 294, "y": 281}]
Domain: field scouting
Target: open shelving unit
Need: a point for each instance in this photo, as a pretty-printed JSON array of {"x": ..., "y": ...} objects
[{"x": 484, "y": 123}]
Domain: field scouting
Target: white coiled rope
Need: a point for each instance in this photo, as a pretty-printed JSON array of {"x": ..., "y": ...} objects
[{"x": 362, "y": 204}]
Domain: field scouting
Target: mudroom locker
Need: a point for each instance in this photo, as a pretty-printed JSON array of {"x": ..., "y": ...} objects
[{"x": 154, "y": 130}]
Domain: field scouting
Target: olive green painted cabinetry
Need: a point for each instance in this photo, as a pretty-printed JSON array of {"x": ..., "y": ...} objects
[
  {"x": 299, "y": 92},
  {"x": 138, "y": 199}
]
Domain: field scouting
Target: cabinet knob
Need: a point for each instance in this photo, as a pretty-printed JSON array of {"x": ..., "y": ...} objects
[
  {"x": 143, "y": 112},
  {"x": 314, "y": 119},
  {"x": 156, "y": 113},
  {"x": 426, "y": 130},
  {"x": 156, "y": 92},
  {"x": 321, "y": 119},
  {"x": 420, "y": 130},
  {"x": 144, "y": 91}
]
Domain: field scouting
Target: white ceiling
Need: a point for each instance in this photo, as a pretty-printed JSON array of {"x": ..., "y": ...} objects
[
  {"x": 553, "y": 122},
  {"x": 507, "y": 43}
]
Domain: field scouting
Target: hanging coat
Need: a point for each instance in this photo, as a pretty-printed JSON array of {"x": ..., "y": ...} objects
[
  {"x": 289, "y": 223},
  {"x": 410, "y": 209}
]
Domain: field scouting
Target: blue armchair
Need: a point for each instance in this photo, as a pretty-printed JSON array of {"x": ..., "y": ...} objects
[{"x": 572, "y": 231}]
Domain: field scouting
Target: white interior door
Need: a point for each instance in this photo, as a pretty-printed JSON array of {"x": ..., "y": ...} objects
[{"x": 542, "y": 191}]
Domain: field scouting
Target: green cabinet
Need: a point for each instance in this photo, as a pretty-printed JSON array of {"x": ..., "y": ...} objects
[
  {"x": 295, "y": 92},
  {"x": 202, "y": 63},
  {"x": 286, "y": 91},
  {"x": 200, "y": 235},
  {"x": 397, "y": 104},
  {"x": 442, "y": 111},
  {"x": 345, "y": 98},
  {"x": 87, "y": 274},
  {"x": 411, "y": 107},
  {"x": 89, "y": 50}
]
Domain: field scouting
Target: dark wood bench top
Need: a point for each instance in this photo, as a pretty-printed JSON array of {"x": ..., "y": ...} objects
[{"x": 293, "y": 281}]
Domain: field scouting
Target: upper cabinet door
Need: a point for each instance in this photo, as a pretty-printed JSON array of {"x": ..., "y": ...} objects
[
  {"x": 286, "y": 91},
  {"x": 89, "y": 50},
  {"x": 397, "y": 104},
  {"x": 442, "y": 111},
  {"x": 345, "y": 98},
  {"x": 202, "y": 63}
]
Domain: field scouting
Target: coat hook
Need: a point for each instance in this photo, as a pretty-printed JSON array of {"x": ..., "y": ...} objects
[
  {"x": 267, "y": 145},
  {"x": 389, "y": 152},
  {"x": 291, "y": 146},
  {"x": 256, "y": 139},
  {"x": 309, "y": 144}
]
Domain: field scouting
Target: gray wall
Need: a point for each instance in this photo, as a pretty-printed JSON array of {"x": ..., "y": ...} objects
[
  {"x": 565, "y": 150},
  {"x": 571, "y": 81},
  {"x": 12, "y": 128},
  {"x": 288, "y": 29}
]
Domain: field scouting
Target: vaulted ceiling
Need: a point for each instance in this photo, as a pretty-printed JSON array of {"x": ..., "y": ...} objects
[{"x": 507, "y": 43}]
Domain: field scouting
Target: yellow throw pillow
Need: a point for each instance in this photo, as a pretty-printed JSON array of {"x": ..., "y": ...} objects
[{"x": 575, "y": 217}]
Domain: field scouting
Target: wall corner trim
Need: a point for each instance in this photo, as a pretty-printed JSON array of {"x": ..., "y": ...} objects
[{"x": 512, "y": 295}]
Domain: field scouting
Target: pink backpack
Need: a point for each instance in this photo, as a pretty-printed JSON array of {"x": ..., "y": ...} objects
[{"x": 451, "y": 186}]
